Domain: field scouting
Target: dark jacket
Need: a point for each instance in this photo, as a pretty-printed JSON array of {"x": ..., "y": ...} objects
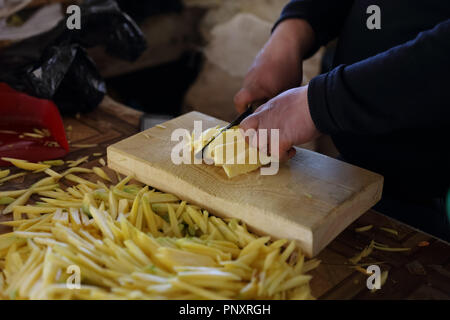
[{"x": 386, "y": 103}]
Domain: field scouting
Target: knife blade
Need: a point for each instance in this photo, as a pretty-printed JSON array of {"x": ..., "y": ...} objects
[{"x": 250, "y": 109}]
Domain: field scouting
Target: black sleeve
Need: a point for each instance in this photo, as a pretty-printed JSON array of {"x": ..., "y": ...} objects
[
  {"x": 406, "y": 87},
  {"x": 326, "y": 17}
]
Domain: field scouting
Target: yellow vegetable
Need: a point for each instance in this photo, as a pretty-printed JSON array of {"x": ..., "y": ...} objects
[
  {"x": 77, "y": 162},
  {"x": 364, "y": 253},
  {"x": 23, "y": 164},
  {"x": 79, "y": 145},
  {"x": 76, "y": 170},
  {"x": 160, "y": 248},
  {"x": 389, "y": 230},
  {"x": 25, "y": 196},
  {"x": 34, "y": 135},
  {"x": 13, "y": 176},
  {"x": 98, "y": 171},
  {"x": 54, "y": 162},
  {"x": 52, "y": 173},
  {"x": 79, "y": 180},
  {"x": 18, "y": 193},
  {"x": 391, "y": 249},
  {"x": 229, "y": 150},
  {"x": 4, "y": 173},
  {"x": 364, "y": 229},
  {"x": 6, "y": 200}
]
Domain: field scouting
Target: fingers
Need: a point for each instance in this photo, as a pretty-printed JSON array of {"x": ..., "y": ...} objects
[
  {"x": 284, "y": 156},
  {"x": 259, "y": 108},
  {"x": 251, "y": 122},
  {"x": 242, "y": 99},
  {"x": 249, "y": 129},
  {"x": 282, "y": 151},
  {"x": 291, "y": 153},
  {"x": 247, "y": 95}
]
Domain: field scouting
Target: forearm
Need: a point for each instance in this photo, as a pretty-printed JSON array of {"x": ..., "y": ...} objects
[
  {"x": 324, "y": 17},
  {"x": 294, "y": 36},
  {"x": 402, "y": 88}
]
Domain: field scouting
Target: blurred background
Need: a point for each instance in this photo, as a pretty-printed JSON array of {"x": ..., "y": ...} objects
[{"x": 196, "y": 56}]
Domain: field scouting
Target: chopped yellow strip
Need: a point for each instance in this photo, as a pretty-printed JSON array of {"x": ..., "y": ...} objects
[
  {"x": 391, "y": 249},
  {"x": 79, "y": 145},
  {"x": 389, "y": 230},
  {"x": 8, "y": 132},
  {"x": 25, "y": 234},
  {"x": 18, "y": 193},
  {"x": 79, "y": 180},
  {"x": 205, "y": 294},
  {"x": 41, "y": 132},
  {"x": 123, "y": 182},
  {"x": 52, "y": 173},
  {"x": 4, "y": 173},
  {"x": 76, "y": 170},
  {"x": 24, "y": 197},
  {"x": 13, "y": 176},
  {"x": 98, "y": 171},
  {"x": 54, "y": 162},
  {"x": 362, "y": 270},
  {"x": 62, "y": 203},
  {"x": 101, "y": 220},
  {"x": 6, "y": 200},
  {"x": 33, "y": 210},
  {"x": 168, "y": 249},
  {"x": 364, "y": 253},
  {"x": 379, "y": 244},
  {"x": 384, "y": 276},
  {"x": 97, "y": 154},
  {"x": 102, "y": 162},
  {"x": 78, "y": 162},
  {"x": 364, "y": 229},
  {"x": 25, "y": 165},
  {"x": 33, "y": 135},
  {"x": 310, "y": 265}
]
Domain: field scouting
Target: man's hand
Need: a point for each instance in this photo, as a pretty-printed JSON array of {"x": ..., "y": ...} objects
[
  {"x": 278, "y": 66},
  {"x": 288, "y": 112}
]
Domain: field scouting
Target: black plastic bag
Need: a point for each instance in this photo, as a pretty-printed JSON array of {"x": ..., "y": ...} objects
[
  {"x": 140, "y": 10},
  {"x": 55, "y": 66}
]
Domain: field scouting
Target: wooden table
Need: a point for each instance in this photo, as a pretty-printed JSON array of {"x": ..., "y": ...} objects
[{"x": 421, "y": 273}]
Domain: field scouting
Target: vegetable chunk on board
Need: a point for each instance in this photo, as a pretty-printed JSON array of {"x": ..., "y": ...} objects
[{"x": 229, "y": 150}]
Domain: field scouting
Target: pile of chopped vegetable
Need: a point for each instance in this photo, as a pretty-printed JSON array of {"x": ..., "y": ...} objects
[{"x": 128, "y": 241}]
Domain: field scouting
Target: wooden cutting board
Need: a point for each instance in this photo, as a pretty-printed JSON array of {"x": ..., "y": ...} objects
[{"x": 311, "y": 199}]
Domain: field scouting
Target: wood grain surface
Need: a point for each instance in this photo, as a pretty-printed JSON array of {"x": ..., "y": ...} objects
[
  {"x": 420, "y": 273},
  {"x": 311, "y": 199}
]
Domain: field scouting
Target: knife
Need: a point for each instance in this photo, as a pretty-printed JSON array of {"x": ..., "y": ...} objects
[{"x": 250, "y": 109}]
